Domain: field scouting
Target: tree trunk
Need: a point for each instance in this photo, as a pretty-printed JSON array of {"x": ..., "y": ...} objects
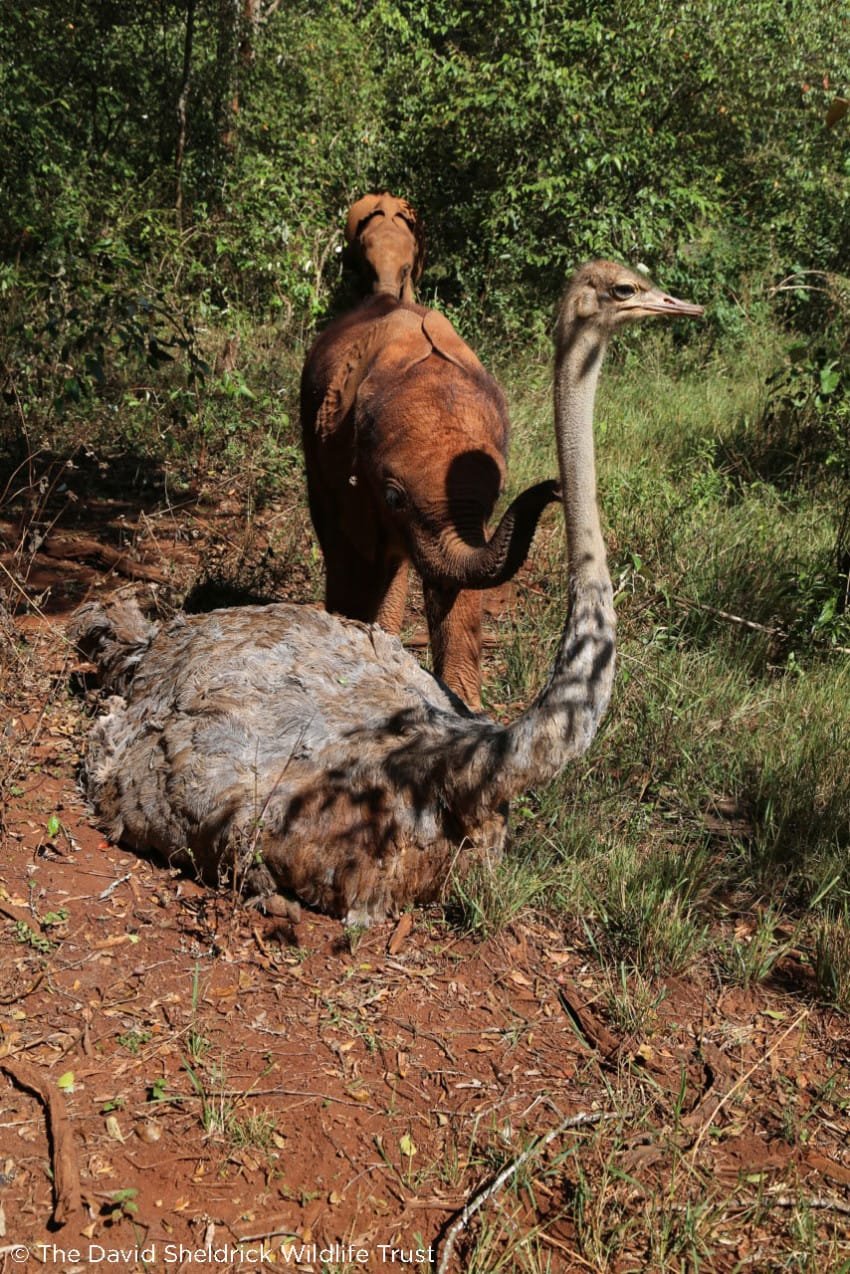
[
  {"x": 182, "y": 103},
  {"x": 227, "y": 91},
  {"x": 237, "y": 28}
]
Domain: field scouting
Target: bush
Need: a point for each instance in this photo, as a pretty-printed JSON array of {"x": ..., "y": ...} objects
[{"x": 530, "y": 136}]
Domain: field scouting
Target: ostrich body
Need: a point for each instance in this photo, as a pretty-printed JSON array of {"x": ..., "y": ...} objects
[{"x": 300, "y": 753}]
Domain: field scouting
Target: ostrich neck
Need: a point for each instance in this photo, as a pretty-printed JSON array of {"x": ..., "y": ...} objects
[
  {"x": 563, "y": 720},
  {"x": 576, "y": 377}
]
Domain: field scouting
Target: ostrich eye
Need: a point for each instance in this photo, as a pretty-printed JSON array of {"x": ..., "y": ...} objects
[
  {"x": 622, "y": 291},
  {"x": 394, "y": 497}
]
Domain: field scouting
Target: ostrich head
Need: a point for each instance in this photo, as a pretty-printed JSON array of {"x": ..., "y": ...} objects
[{"x": 604, "y": 296}]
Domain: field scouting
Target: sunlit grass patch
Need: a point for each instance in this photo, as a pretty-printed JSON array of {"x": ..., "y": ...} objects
[
  {"x": 485, "y": 898},
  {"x": 719, "y": 784}
]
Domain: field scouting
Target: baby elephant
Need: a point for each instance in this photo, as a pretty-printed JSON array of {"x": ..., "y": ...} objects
[
  {"x": 386, "y": 243},
  {"x": 405, "y": 436}
]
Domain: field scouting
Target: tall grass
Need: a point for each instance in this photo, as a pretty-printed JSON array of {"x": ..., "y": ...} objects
[{"x": 720, "y": 783}]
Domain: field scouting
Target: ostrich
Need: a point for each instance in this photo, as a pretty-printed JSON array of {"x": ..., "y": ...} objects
[{"x": 294, "y": 752}]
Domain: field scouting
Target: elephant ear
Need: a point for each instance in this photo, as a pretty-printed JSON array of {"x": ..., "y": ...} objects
[
  {"x": 354, "y": 366},
  {"x": 445, "y": 340},
  {"x": 356, "y": 516},
  {"x": 358, "y": 212},
  {"x": 408, "y": 214},
  {"x": 345, "y": 382}
]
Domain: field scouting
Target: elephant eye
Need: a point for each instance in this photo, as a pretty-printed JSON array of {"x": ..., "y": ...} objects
[
  {"x": 622, "y": 291},
  {"x": 394, "y": 497}
]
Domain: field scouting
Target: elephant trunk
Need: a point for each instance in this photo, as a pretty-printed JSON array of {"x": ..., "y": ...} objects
[
  {"x": 393, "y": 282},
  {"x": 448, "y": 560}
]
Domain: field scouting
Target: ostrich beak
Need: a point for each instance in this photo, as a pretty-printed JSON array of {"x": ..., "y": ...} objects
[{"x": 657, "y": 302}]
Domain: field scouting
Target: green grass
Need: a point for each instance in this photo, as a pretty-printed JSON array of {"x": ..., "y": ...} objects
[{"x": 719, "y": 786}]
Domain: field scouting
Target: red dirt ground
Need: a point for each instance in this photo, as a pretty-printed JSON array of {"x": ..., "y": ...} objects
[{"x": 232, "y": 1079}]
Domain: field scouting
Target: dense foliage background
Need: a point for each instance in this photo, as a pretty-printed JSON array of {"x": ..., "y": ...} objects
[
  {"x": 530, "y": 135},
  {"x": 175, "y": 173}
]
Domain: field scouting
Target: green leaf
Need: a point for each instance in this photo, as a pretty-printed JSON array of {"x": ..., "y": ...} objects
[
  {"x": 829, "y": 379},
  {"x": 828, "y": 611}
]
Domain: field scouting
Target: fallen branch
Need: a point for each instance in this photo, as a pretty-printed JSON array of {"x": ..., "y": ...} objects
[
  {"x": 590, "y": 1030},
  {"x": 817, "y": 1201},
  {"x": 110, "y": 889},
  {"x": 770, "y": 629},
  {"x": 236, "y": 1093},
  {"x": 85, "y": 547},
  {"x": 66, "y": 1176},
  {"x": 6, "y": 1000},
  {"x": 426, "y": 1035},
  {"x": 447, "y": 1245},
  {"x": 751, "y": 624}
]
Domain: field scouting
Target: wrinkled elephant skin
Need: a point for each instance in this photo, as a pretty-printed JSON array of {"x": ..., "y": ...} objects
[{"x": 405, "y": 436}]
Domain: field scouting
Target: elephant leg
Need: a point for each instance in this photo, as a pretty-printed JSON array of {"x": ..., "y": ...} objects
[
  {"x": 351, "y": 588},
  {"x": 318, "y": 513},
  {"x": 454, "y": 626},
  {"x": 373, "y": 592},
  {"x": 391, "y": 609}
]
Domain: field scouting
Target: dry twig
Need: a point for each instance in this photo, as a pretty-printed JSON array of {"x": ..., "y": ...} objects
[
  {"x": 479, "y": 1198},
  {"x": 6, "y": 1000},
  {"x": 742, "y": 1079},
  {"x": 816, "y": 1201},
  {"x": 750, "y": 624},
  {"x": 590, "y": 1030}
]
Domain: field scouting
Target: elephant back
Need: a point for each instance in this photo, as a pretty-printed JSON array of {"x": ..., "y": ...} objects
[{"x": 385, "y": 342}]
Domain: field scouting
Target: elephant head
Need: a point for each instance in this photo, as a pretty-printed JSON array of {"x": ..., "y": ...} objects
[
  {"x": 426, "y": 435},
  {"x": 386, "y": 242}
]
